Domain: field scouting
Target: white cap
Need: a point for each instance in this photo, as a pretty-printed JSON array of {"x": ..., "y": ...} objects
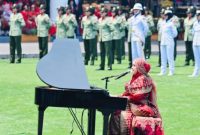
[
  {"x": 137, "y": 6},
  {"x": 198, "y": 12},
  {"x": 168, "y": 11}
]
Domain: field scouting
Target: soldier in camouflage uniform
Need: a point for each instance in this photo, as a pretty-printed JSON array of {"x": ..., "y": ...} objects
[
  {"x": 176, "y": 22},
  {"x": 16, "y": 24},
  {"x": 43, "y": 24},
  {"x": 159, "y": 25}
]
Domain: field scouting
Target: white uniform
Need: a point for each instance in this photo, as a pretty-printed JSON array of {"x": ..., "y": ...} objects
[
  {"x": 168, "y": 33},
  {"x": 196, "y": 48},
  {"x": 159, "y": 25},
  {"x": 139, "y": 29}
]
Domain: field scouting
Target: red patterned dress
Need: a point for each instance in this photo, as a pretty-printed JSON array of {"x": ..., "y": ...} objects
[{"x": 141, "y": 116}]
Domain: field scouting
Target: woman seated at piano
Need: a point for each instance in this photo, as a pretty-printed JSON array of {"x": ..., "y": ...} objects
[{"x": 141, "y": 116}]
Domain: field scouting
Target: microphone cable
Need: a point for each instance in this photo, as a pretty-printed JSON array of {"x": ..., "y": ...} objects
[{"x": 82, "y": 114}]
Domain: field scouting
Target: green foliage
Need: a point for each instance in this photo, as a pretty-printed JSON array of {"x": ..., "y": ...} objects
[{"x": 178, "y": 99}]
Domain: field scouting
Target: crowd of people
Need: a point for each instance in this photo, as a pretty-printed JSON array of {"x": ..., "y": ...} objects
[
  {"x": 29, "y": 10},
  {"x": 110, "y": 27}
]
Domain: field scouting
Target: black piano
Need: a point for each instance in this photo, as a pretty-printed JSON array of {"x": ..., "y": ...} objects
[
  {"x": 62, "y": 69},
  {"x": 92, "y": 99}
]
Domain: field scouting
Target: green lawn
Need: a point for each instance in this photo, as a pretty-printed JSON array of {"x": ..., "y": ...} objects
[{"x": 178, "y": 99}]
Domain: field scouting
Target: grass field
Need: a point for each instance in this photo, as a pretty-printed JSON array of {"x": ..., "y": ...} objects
[{"x": 178, "y": 99}]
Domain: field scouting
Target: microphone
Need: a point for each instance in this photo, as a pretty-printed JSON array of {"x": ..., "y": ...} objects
[{"x": 122, "y": 74}]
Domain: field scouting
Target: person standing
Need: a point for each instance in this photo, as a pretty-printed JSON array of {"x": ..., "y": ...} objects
[
  {"x": 188, "y": 36},
  {"x": 177, "y": 24},
  {"x": 70, "y": 23},
  {"x": 122, "y": 30},
  {"x": 116, "y": 36},
  {"x": 60, "y": 29},
  {"x": 139, "y": 30},
  {"x": 95, "y": 16},
  {"x": 129, "y": 38},
  {"x": 159, "y": 25},
  {"x": 105, "y": 39},
  {"x": 150, "y": 22},
  {"x": 196, "y": 45},
  {"x": 43, "y": 24},
  {"x": 89, "y": 26},
  {"x": 168, "y": 33},
  {"x": 16, "y": 24}
]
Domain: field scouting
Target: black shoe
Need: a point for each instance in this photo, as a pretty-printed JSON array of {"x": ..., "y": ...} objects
[
  {"x": 109, "y": 68},
  {"x": 158, "y": 65},
  {"x": 186, "y": 64},
  {"x": 86, "y": 62},
  {"x": 100, "y": 68},
  {"x": 18, "y": 62},
  {"x": 119, "y": 62},
  {"x": 11, "y": 62}
]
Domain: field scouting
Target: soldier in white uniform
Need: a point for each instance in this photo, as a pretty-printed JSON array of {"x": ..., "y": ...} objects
[
  {"x": 177, "y": 24},
  {"x": 139, "y": 29},
  {"x": 168, "y": 33},
  {"x": 159, "y": 25},
  {"x": 196, "y": 45},
  {"x": 188, "y": 36}
]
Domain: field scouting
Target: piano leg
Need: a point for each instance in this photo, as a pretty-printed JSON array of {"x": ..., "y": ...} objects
[
  {"x": 106, "y": 115},
  {"x": 41, "y": 110},
  {"x": 91, "y": 121}
]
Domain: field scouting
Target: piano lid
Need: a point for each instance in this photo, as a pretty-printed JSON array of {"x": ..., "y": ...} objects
[{"x": 63, "y": 66}]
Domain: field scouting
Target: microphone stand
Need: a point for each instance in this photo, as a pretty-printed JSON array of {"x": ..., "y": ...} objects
[
  {"x": 107, "y": 80},
  {"x": 106, "y": 112}
]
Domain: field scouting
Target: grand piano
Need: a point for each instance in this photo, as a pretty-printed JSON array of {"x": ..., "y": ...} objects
[{"x": 63, "y": 71}]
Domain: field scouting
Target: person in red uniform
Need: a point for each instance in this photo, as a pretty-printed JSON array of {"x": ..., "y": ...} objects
[
  {"x": 25, "y": 14},
  {"x": 141, "y": 116},
  {"x": 31, "y": 19}
]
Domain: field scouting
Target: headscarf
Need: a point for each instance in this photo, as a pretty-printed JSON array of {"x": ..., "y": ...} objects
[{"x": 143, "y": 68}]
